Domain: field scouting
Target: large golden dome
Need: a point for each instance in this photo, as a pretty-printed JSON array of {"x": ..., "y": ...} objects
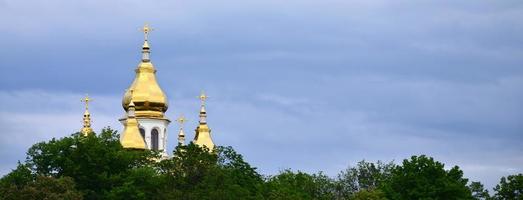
[{"x": 149, "y": 99}]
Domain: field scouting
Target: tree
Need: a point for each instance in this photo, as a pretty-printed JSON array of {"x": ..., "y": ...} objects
[
  {"x": 478, "y": 191},
  {"x": 238, "y": 173},
  {"x": 374, "y": 194},
  {"x": 365, "y": 176},
  {"x": 423, "y": 178},
  {"x": 22, "y": 184},
  {"x": 510, "y": 187},
  {"x": 299, "y": 185},
  {"x": 96, "y": 163},
  {"x": 196, "y": 173},
  {"x": 325, "y": 186},
  {"x": 19, "y": 177}
]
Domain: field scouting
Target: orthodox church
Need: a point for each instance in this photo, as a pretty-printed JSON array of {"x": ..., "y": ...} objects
[{"x": 145, "y": 103}]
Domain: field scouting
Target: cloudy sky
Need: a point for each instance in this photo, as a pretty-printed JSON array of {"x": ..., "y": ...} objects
[{"x": 307, "y": 85}]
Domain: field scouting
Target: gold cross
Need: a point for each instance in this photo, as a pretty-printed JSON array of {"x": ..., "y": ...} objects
[
  {"x": 181, "y": 120},
  {"x": 203, "y": 97},
  {"x": 146, "y": 29},
  {"x": 86, "y": 99}
]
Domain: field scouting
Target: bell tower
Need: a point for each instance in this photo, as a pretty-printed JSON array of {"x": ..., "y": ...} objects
[{"x": 149, "y": 102}]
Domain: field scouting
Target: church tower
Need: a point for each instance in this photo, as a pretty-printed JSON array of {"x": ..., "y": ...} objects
[
  {"x": 203, "y": 132},
  {"x": 86, "y": 129},
  {"x": 149, "y": 103}
]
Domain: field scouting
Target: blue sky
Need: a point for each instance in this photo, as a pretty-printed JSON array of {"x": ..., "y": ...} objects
[{"x": 307, "y": 85}]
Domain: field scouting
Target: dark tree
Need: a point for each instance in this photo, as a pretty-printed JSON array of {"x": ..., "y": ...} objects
[
  {"x": 374, "y": 194},
  {"x": 423, "y": 178},
  {"x": 299, "y": 185},
  {"x": 478, "y": 191},
  {"x": 22, "y": 184},
  {"x": 96, "y": 163},
  {"x": 195, "y": 173},
  {"x": 365, "y": 176},
  {"x": 510, "y": 187}
]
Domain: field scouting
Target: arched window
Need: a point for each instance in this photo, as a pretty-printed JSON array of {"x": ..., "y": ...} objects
[
  {"x": 154, "y": 139},
  {"x": 142, "y": 132}
]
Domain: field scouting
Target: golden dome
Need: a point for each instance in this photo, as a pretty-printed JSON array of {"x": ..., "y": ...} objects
[
  {"x": 149, "y": 99},
  {"x": 203, "y": 137},
  {"x": 203, "y": 132},
  {"x": 131, "y": 138}
]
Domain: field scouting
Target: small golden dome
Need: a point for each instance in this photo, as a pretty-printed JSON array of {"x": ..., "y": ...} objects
[
  {"x": 203, "y": 136},
  {"x": 203, "y": 132},
  {"x": 144, "y": 92},
  {"x": 131, "y": 138}
]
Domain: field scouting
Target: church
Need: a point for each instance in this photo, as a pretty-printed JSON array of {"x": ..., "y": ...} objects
[{"x": 144, "y": 104}]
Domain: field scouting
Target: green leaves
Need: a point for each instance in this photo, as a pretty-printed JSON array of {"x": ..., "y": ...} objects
[
  {"x": 195, "y": 173},
  {"x": 97, "y": 167},
  {"x": 423, "y": 178},
  {"x": 478, "y": 191},
  {"x": 22, "y": 184},
  {"x": 510, "y": 187},
  {"x": 365, "y": 176},
  {"x": 290, "y": 185},
  {"x": 96, "y": 163}
]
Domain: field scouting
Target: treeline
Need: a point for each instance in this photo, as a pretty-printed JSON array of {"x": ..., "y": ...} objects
[{"x": 97, "y": 167}]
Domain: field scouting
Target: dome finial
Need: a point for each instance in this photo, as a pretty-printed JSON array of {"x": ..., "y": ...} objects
[
  {"x": 146, "y": 29},
  {"x": 203, "y": 97},
  {"x": 181, "y": 135},
  {"x": 86, "y": 129},
  {"x": 86, "y": 99},
  {"x": 203, "y": 114},
  {"x": 145, "y": 48}
]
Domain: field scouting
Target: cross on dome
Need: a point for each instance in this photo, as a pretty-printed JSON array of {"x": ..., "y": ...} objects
[
  {"x": 86, "y": 99},
  {"x": 181, "y": 120},
  {"x": 146, "y": 29},
  {"x": 203, "y": 97}
]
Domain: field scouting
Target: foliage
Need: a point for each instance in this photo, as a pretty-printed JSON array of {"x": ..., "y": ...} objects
[
  {"x": 22, "y": 184},
  {"x": 97, "y": 163},
  {"x": 299, "y": 185},
  {"x": 423, "y": 178},
  {"x": 98, "y": 167},
  {"x": 374, "y": 194},
  {"x": 194, "y": 173},
  {"x": 366, "y": 176},
  {"x": 478, "y": 191},
  {"x": 17, "y": 178},
  {"x": 510, "y": 187}
]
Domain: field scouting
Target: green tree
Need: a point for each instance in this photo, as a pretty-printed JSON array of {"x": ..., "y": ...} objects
[
  {"x": 365, "y": 176},
  {"x": 239, "y": 174},
  {"x": 22, "y": 184},
  {"x": 138, "y": 183},
  {"x": 478, "y": 191},
  {"x": 299, "y": 185},
  {"x": 374, "y": 194},
  {"x": 510, "y": 187},
  {"x": 96, "y": 163},
  {"x": 195, "y": 173},
  {"x": 423, "y": 178},
  {"x": 19, "y": 177}
]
